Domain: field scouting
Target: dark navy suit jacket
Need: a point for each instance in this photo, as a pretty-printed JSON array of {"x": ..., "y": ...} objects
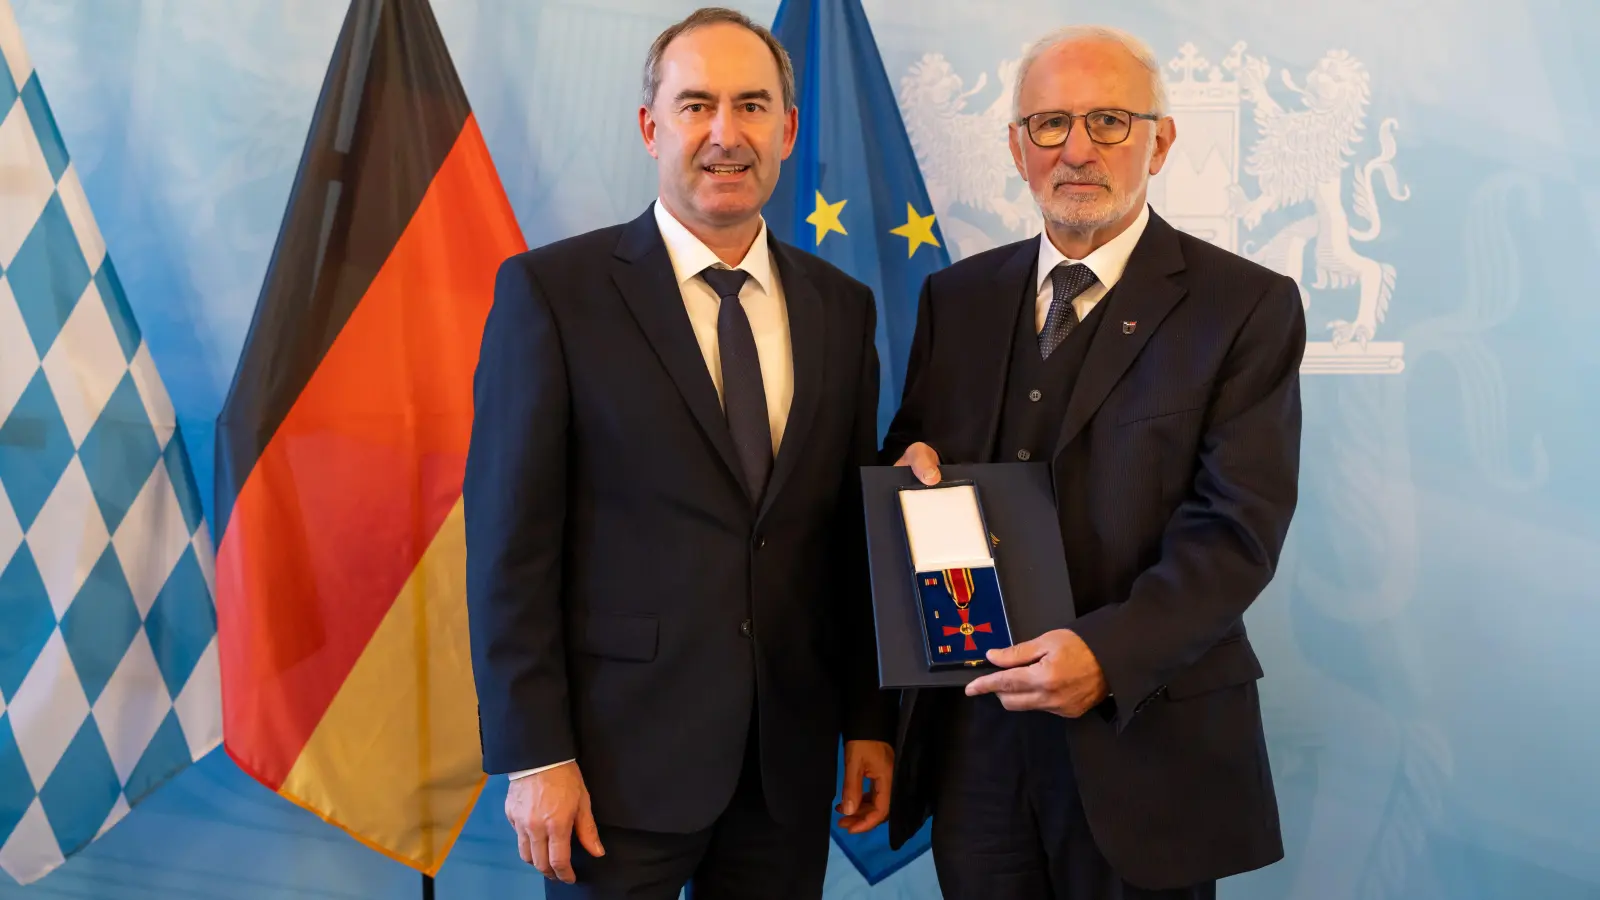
[
  {"x": 1175, "y": 476},
  {"x": 628, "y": 606}
]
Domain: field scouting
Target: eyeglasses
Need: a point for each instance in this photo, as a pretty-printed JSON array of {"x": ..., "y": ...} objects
[{"x": 1105, "y": 126}]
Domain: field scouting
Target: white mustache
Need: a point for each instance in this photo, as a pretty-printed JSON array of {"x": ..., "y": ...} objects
[{"x": 1069, "y": 175}]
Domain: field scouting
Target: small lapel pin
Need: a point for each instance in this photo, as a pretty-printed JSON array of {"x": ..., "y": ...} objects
[{"x": 1129, "y": 327}]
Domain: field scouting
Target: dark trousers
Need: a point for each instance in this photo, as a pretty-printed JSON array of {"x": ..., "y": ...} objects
[
  {"x": 1008, "y": 822},
  {"x": 744, "y": 855}
]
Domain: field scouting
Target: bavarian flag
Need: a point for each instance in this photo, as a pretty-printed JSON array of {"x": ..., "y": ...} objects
[
  {"x": 852, "y": 193},
  {"x": 346, "y": 680}
]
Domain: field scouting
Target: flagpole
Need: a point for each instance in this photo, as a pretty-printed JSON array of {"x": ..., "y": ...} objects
[{"x": 427, "y": 887}]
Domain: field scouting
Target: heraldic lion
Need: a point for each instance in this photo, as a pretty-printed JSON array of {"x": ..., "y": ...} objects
[{"x": 1301, "y": 157}]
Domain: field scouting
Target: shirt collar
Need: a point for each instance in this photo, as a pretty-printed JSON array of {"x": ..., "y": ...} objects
[
  {"x": 1107, "y": 262},
  {"x": 690, "y": 256}
]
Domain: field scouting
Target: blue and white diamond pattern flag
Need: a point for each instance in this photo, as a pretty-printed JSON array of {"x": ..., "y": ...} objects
[{"x": 108, "y": 652}]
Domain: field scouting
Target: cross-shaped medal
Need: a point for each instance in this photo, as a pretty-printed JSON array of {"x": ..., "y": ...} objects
[{"x": 960, "y": 587}]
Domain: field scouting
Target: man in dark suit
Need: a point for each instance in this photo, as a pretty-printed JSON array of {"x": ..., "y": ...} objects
[
  {"x": 1157, "y": 375},
  {"x": 671, "y": 626}
]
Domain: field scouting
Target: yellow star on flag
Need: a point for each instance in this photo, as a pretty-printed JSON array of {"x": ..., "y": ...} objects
[
  {"x": 917, "y": 230},
  {"x": 826, "y": 217}
]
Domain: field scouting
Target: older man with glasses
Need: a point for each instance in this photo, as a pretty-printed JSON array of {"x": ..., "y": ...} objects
[{"x": 1158, "y": 376}]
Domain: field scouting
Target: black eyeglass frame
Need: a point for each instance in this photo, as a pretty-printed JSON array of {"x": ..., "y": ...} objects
[{"x": 1026, "y": 124}]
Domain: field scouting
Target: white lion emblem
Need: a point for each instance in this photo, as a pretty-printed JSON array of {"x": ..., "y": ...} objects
[
  {"x": 1299, "y": 157},
  {"x": 963, "y": 155}
]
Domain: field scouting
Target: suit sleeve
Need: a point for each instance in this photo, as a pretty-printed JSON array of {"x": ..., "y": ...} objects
[
  {"x": 515, "y": 506},
  {"x": 909, "y": 426},
  {"x": 869, "y": 712},
  {"x": 1220, "y": 548}
]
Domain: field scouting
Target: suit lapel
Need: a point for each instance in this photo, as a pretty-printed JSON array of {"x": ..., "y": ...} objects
[
  {"x": 643, "y": 273},
  {"x": 808, "y": 346},
  {"x": 992, "y": 334},
  {"x": 1147, "y": 291}
]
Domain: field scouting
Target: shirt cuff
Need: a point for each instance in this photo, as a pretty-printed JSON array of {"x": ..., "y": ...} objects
[{"x": 526, "y": 772}]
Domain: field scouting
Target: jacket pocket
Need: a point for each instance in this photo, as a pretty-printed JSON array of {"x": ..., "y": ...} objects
[
  {"x": 1226, "y": 664},
  {"x": 1159, "y": 404},
  {"x": 627, "y": 636}
]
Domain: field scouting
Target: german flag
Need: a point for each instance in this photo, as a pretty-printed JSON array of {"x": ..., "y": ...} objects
[{"x": 341, "y": 585}]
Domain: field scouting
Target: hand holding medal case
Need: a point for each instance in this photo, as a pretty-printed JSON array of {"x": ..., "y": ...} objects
[
  {"x": 952, "y": 556},
  {"x": 960, "y": 568}
]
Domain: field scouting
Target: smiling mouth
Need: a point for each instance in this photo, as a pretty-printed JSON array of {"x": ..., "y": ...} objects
[{"x": 726, "y": 169}]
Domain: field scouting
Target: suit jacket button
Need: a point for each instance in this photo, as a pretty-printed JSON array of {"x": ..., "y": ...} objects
[
  {"x": 1023, "y": 455},
  {"x": 745, "y": 628},
  {"x": 1034, "y": 395}
]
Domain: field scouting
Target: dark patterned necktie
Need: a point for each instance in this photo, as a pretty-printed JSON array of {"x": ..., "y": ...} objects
[
  {"x": 1069, "y": 282},
  {"x": 744, "y": 396}
]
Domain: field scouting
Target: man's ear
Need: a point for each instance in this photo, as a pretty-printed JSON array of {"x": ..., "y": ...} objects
[
  {"x": 791, "y": 130},
  {"x": 647, "y": 129},
  {"x": 1166, "y": 134}
]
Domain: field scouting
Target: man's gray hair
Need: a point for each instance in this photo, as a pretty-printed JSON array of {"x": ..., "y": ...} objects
[
  {"x": 1140, "y": 50},
  {"x": 715, "y": 15}
]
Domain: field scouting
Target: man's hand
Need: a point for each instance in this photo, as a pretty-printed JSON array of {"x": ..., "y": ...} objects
[
  {"x": 923, "y": 460},
  {"x": 874, "y": 761},
  {"x": 544, "y": 808},
  {"x": 1055, "y": 672}
]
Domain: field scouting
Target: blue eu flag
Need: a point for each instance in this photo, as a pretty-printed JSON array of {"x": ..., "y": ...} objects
[{"x": 852, "y": 193}]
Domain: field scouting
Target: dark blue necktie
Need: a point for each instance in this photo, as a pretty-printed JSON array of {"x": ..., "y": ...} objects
[
  {"x": 1069, "y": 282},
  {"x": 744, "y": 396}
]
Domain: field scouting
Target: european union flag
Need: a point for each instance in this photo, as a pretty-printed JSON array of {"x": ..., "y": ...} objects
[{"x": 852, "y": 194}]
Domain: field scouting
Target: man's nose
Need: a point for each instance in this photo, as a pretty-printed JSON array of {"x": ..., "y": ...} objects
[
  {"x": 725, "y": 129},
  {"x": 1079, "y": 150}
]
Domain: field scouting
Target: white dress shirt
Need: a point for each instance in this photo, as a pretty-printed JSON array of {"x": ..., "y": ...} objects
[
  {"x": 1107, "y": 263},
  {"x": 762, "y": 298}
]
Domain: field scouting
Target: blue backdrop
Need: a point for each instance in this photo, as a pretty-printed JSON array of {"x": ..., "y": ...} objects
[{"x": 1428, "y": 639}]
